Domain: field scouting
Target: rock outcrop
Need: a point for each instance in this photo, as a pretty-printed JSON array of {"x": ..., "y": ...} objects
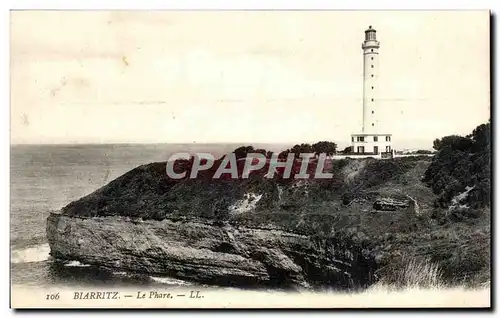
[
  {"x": 390, "y": 204},
  {"x": 267, "y": 232},
  {"x": 208, "y": 253}
]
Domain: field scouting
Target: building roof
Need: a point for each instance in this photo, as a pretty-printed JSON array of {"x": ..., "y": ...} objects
[{"x": 368, "y": 134}]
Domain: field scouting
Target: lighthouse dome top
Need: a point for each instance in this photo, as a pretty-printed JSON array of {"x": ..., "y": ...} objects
[
  {"x": 370, "y": 34},
  {"x": 370, "y": 29}
]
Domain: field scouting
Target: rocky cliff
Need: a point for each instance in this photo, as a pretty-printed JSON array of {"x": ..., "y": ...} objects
[
  {"x": 266, "y": 231},
  {"x": 204, "y": 252}
]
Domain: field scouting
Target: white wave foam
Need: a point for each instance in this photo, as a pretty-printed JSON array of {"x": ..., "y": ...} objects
[
  {"x": 76, "y": 264},
  {"x": 121, "y": 273},
  {"x": 38, "y": 253},
  {"x": 169, "y": 281}
]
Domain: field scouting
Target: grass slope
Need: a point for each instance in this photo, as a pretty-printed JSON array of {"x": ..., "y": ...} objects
[{"x": 340, "y": 208}]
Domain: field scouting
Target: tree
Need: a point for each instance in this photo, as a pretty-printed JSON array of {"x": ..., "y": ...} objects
[
  {"x": 481, "y": 136},
  {"x": 436, "y": 144},
  {"x": 327, "y": 147},
  {"x": 455, "y": 142},
  {"x": 302, "y": 148},
  {"x": 242, "y": 151},
  {"x": 261, "y": 151},
  {"x": 462, "y": 163},
  {"x": 284, "y": 154},
  {"x": 423, "y": 152}
]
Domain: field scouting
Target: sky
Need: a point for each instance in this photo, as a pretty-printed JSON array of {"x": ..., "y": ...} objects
[{"x": 253, "y": 76}]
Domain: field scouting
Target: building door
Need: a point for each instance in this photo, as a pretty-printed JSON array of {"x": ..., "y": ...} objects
[
  {"x": 361, "y": 149},
  {"x": 375, "y": 149},
  {"x": 387, "y": 148}
]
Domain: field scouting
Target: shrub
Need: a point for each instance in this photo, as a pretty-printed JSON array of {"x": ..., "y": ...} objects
[
  {"x": 423, "y": 152},
  {"x": 460, "y": 163},
  {"x": 413, "y": 273}
]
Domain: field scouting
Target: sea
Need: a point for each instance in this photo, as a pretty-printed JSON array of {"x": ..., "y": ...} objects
[{"x": 45, "y": 178}]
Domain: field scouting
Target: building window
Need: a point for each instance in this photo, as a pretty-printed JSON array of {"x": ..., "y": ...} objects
[
  {"x": 373, "y": 124},
  {"x": 372, "y": 50},
  {"x": 373, "y": 112},
  {"x": 372, "y": 87},
  {"x": 361, "y": 139},
  {"x": 372, "y": 58},
  {"x": 352, "y": 139},
  {"x": 388, "y": 149},
  {"x": 372, "y": 75},
  {"x": 375, "y": 138},
  {"x": 387, "y": 138},
  {"x": 372, "y": 99},
  {"x": 361, "y": 149},
  {"x": 372, "y": 66}
]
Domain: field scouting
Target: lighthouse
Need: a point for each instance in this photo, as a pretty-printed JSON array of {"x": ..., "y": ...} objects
[{"x": 373, "y": 139}]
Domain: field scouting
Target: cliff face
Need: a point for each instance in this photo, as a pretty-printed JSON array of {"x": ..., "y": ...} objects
[
  {"x": 265, "y": 231},
  {"x": 203, "y": 252}
]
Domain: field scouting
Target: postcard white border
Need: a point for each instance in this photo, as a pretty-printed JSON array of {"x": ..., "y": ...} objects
[{"x": 185, "y": 4}]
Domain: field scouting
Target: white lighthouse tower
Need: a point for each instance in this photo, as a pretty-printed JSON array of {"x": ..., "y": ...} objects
[{"x": 373, "y": 138}]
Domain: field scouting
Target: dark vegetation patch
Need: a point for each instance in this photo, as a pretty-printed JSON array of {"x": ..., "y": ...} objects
[
  {"x": 453, "y": 234},
  {"x": 462, "y": 163}
]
